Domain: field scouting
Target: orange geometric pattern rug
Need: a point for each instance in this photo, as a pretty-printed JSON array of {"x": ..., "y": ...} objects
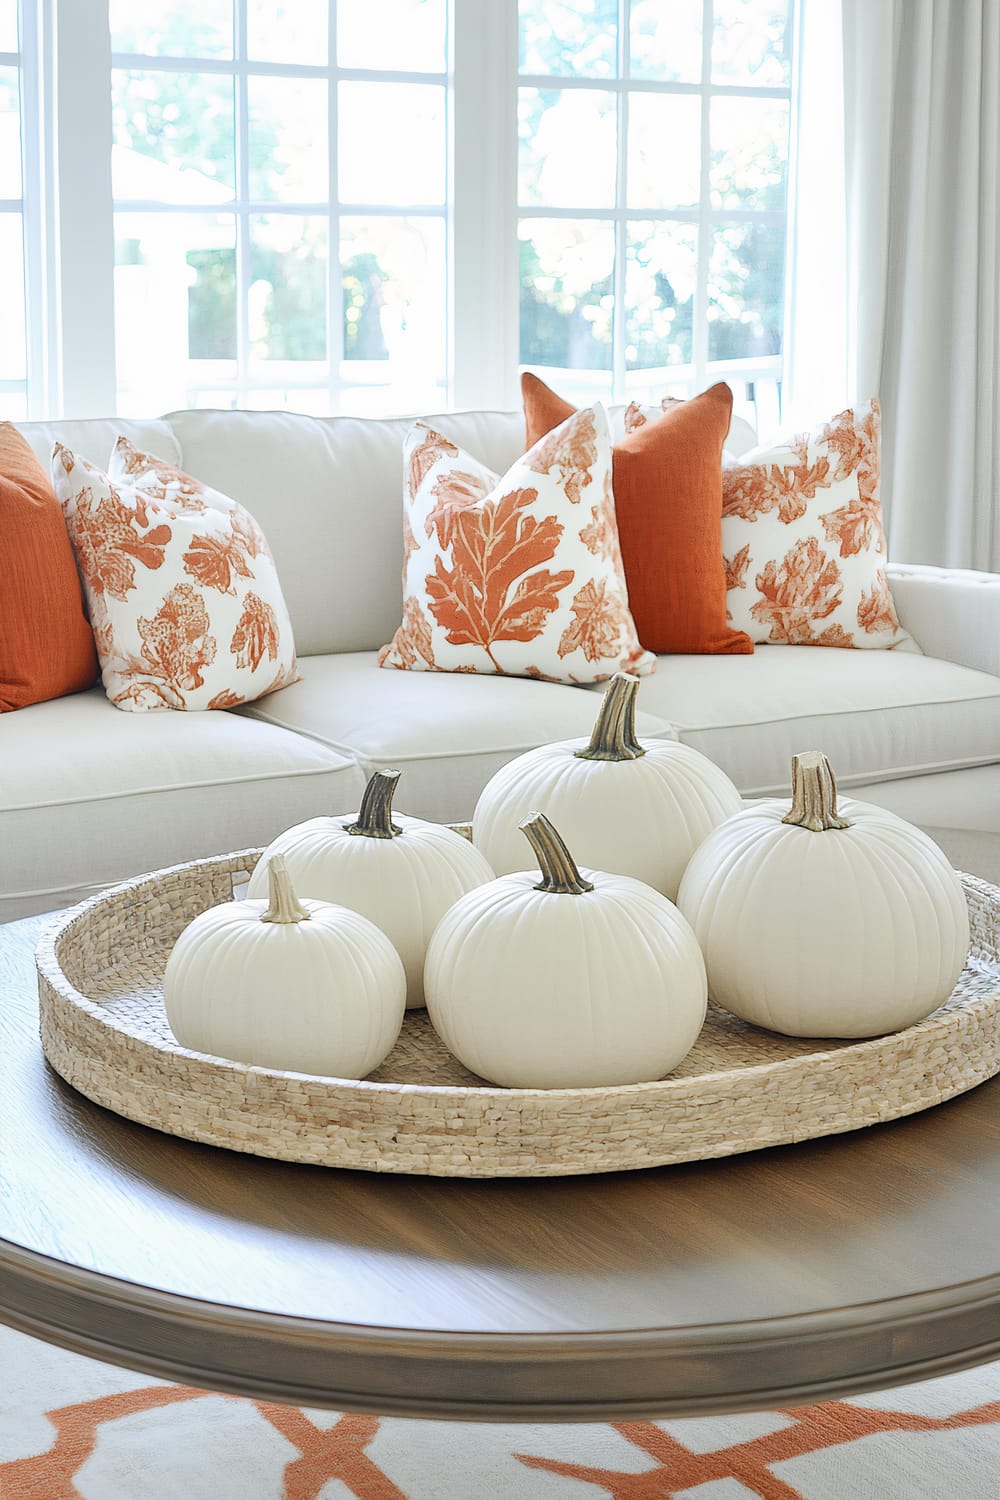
[{"x": 73, "y": 1429}]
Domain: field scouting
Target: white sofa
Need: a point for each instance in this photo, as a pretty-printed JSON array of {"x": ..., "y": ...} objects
[{"x": 90, "y": 795}]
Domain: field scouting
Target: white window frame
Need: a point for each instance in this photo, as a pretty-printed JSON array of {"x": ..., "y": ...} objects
[
  {"x": 701, "y": 370},
  {"x": 69, "y": 225}
]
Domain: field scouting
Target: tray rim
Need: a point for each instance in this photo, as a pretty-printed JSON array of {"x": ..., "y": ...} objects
[{"x": 545, "y": 1101}]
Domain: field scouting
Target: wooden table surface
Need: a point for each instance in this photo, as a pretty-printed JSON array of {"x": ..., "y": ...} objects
[{"x": 786, "y": 1276}]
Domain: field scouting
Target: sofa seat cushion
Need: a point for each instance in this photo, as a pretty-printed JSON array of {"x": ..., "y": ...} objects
[
  {"x": 878, "y": 715},
  {"x": 89, "y": 795},
  {"x": 447, "y": 732}
]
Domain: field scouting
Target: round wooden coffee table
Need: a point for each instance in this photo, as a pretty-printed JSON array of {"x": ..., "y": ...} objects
[{"x": 785, "y": 1277}]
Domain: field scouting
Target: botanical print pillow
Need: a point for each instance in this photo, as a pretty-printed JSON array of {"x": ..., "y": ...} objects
[
  {"x": 520, "y": 574},
  {"x": 803, "y": 539},
  {"x": 184, "y": 599}
]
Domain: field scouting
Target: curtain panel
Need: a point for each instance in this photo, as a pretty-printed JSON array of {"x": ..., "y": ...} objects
[{"x": 921, "y": 107}]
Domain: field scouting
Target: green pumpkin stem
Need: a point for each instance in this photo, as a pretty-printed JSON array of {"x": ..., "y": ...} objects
[
  {"x": 283, "y": 906},
  {"x": 560, "y": 875},
  {"x": 814, "y": 794},
  {"x": 614, "y": 736},
  {"x": 374, "y": 820}
]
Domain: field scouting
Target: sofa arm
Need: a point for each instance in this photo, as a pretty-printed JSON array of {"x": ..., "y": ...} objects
[{"x": 952, "y": 613}]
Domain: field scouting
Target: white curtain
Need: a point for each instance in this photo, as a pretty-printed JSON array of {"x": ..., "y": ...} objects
[{"x": 922, "y": 158}]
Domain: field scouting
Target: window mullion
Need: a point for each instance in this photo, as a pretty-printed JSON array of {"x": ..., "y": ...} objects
[
  {"x": 700, "y": 320},
  {"x": 621, "y": 202},
  {"x": 483, "y": 210},
  {"x": 335, "y": 278},
  {"x": 83, "y": 225},
  {"x": 243, "y": 274}
]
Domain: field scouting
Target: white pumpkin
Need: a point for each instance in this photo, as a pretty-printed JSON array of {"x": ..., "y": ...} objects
[
  {"x": 301, "y": 986},
  {"x": 825, "y": 923},
  {"x": 630, "y": 806},
  {"x": 577, "y": 981},
  {"x": 401, "y": 873}
]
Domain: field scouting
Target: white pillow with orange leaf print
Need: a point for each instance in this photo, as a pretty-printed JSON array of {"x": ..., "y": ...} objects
[
  {"x": 183, "y": 595},
  {"x": 519, "y": 575},
  {"x": 803, "y": 539}
]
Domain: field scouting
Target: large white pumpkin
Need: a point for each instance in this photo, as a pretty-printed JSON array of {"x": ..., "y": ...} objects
[
  {"x": 401, "y": 873},
  {"x": 630, "y": 806},
  {"x": 303, "y": 986},
  {"x": 577, "y": 981},
  {"x": 822, "y": 922}
]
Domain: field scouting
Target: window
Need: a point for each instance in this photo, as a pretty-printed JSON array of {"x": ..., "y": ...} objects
[
  {"x": 379, "y": 206},
  {"x": 13, "y": 342},
  {"x": 653, "y": 147},
  {"x": 280, "y": 204}
]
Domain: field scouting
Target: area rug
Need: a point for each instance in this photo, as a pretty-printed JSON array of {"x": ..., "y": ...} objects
[{"x": 73, "y": 1429}]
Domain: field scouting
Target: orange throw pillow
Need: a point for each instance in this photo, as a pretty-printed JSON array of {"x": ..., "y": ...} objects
[
  {"x": 46, "y": 644},
  {"x": 667, "y": 480}
]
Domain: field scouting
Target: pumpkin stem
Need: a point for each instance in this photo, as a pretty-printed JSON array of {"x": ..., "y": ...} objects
[
  {"x": 814, "y": 794},
  {"x": 559, "y": 872},
  {"x": 614, "y": 736},
  {"x": 374, "y": 820},
  {"x": 282, "y": 903}
]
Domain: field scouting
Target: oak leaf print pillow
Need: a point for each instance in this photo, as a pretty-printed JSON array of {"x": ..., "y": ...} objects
[
  {"x": 184, "y": 599},
  {"x": 520, "y": 574},
  {"x": 803, "y": 540}
]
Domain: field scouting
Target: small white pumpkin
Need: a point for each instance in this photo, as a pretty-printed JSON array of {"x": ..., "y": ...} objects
[
  {"x": 301, "y": 986},
  {"x": 825, "y": 923},
  {"x": 577, "y": 981},
  {"x": 634, "y": 807},
  {"x": 401, "y": 873}
]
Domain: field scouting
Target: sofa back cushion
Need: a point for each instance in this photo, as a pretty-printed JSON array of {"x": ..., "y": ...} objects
[{"x": 328, "y": 494}]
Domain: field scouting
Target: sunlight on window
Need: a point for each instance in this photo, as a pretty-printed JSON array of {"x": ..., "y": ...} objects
[
  {"x": 567, "y": 148},
  {"x": 172, "y": 28},
  {"x": 287, "y": 140},
  {"x": 10, "y": 135},
  {"x": 12, "y": 347},
  {"x": 8, "y": 25},
  {"x": 392, "y": 35},
  {"x": 294, "y": 32},
  {"x": 392, "y": 143}
]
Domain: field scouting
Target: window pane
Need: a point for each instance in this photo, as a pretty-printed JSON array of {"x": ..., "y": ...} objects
[
  {"x": 12, "y": 350},
  {"x": 173, "y": 28},
  {"x": 184, "y": 122},
  {"x": 294, "y": 32},
  {"x": 286, "y": 302},
  {"x": 288, "y": 140},
  {"x": 746, "y": 291},
  {"x": 175, "y": 302},
  {"x": 665, "y": 40},
  {"x": 664, "y": 150},
  {"x": 395, "y": 310},
  {"x": 567, "y": 156},
  {"x": 8, "y": 25},
  {"x": 578, "y": 37},
  {"x": 10, "y": 135},
  {"x": 392, "y": 143},
  {"x": 749, "y": 152},
  {"x": 409, "y": 35},
  {"x": 567, "y": 293},
  {"x": 751, "y": 42},
  {"x": 661, "y": 274}
]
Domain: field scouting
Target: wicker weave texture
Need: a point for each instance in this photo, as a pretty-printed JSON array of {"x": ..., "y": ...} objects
[{"x": 104, "y": 1030}]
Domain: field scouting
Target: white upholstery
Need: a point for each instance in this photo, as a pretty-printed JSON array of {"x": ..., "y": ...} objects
[
  {"x": 94, "y": 438},
  {"x": 953, "y": 612},
  {"x": 90, "y": 795},
  {"x": 328, "y": 493},
  {"x": 960, "y": 809},
  {"x": 447, "y": 732},
  {"x": 878, "y": 715}
]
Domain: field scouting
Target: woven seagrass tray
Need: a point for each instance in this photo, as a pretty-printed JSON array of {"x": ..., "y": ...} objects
[{"x": 104, "y": 1030}]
